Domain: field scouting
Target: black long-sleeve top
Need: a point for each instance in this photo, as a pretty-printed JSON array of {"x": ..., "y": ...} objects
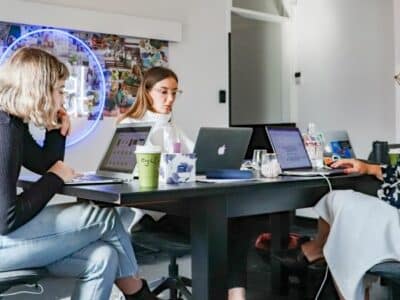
[{"x": 18, "y": 148}]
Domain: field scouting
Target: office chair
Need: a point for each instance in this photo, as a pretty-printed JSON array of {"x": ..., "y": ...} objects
[
  {"x": 9, "y": 279},
  {"x": 175, "y": 246},
  {"x": 389, "y": 273}
]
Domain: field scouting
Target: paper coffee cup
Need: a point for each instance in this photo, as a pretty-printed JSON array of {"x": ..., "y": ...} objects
[
  {"x": 148, "y": 163},
  {"x": 394, "y": 155}
]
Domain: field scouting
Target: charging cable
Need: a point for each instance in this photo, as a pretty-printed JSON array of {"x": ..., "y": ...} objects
[
  {"x": 37, "y": 285},
  {"x": 327, "y": 180},
  {"x": 322, "y": 284},
  {"x": 327, "y": 268}
]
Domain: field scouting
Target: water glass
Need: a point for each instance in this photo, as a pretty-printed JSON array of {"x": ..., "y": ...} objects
[
  {"x": 269, "y": 165},
  {"x": 257, "y": 157}
]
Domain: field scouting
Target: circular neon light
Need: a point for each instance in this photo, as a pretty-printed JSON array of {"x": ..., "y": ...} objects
[{"x": 102, "y": 88}]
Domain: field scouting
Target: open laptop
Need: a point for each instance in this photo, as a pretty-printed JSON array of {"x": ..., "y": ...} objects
[
  {"x": 119, "y": 160},
  {"x": 221, "y": 148},
  {"x": 291, "y": 153},
  {"x": 338, "y": 145}
]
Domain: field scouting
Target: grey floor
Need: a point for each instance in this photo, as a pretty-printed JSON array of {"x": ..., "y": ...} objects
[{"x": 156, "y": 266}]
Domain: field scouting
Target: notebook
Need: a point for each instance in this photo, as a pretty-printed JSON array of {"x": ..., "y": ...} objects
[
  {"x": 291, "y": 153},
  {"x": 119, "y": 160},
  {"x": 221, "y": 148}
]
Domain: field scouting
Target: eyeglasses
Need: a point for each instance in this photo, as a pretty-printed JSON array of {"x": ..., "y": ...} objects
[
  {"x": 165, "y": 92},
  {"x": 397, "y": 78}
]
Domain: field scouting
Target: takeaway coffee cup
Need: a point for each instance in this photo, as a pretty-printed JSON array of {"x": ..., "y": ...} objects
[
  {"x": 148, "y": 163},
  {"x": 394, "y": 155}
]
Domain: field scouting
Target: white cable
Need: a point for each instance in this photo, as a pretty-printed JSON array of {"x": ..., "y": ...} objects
[
  {"x": 327, "y": 269},
  {"x": 38, "y": 285},
  {"x": 322, "y": 284},
  {"x": 327, "y": 180}
]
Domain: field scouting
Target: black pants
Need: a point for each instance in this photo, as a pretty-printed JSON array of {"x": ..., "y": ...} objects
[{"x": 242, "y": 233}]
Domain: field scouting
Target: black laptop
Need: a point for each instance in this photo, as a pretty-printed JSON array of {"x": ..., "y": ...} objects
[{"x": 291, "y": 153}]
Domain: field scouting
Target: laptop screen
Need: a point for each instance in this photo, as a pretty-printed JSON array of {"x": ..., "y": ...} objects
[
  {"x": 289, "y": 148},
  {"x": 120, "y": 156}
]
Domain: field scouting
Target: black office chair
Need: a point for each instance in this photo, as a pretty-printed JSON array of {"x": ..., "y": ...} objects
[
  {"x": 389, "y": 273},
  {"x": 9, "y": 279},
  {"x": 175, "y": 246}
]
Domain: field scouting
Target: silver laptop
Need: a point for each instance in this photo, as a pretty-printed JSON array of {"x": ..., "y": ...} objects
[
  {"x": 119, "y": 160},
  {"x": 221, "y": 148},
  {"x": 291, "y": 153}
]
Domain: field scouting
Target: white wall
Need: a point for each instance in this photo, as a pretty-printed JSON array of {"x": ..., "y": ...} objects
[
  {"x": 345, "y": 53},
  {"x": 200, "y": 61},
  {"x": 396, "y": 13}
]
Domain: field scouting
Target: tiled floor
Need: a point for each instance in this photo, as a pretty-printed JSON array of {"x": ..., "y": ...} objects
[{"x": 153, "y": 267}]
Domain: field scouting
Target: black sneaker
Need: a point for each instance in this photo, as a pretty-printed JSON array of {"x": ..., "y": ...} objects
[{"x": 143, "y": 294}]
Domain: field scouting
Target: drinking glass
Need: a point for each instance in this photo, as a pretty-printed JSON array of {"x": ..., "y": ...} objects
[
  {"x": 269, "y": 165},
  {"x": 256, "y": 161}
]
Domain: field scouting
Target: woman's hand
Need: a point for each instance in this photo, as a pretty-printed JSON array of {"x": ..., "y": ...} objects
[
  {"x": 65, "y": 122},
  {"x": 357, "y": 166},
  {"x": 62, "y": 170}
]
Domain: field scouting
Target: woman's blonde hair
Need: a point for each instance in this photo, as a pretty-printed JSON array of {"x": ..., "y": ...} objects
[
  {"x": 27, "y": 81},
  {"x": 144, "y": 101}
]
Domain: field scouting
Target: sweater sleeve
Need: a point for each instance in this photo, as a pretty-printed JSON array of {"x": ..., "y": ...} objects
[
  {"x": 16, "y": 210},
  {"x": 39, "y": 159}
]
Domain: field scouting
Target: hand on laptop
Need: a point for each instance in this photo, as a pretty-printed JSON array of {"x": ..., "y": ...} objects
[
  {"x": 357, "y": 166},
  {"x": 63, "y": 171}
]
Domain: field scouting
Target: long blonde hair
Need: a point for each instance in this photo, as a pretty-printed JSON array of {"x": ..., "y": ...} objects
[
  {"x": 27, "y": 81},
  {"x": 144, "y": 101}
]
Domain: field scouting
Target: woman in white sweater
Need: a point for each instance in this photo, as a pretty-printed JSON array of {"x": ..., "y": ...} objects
[
  {"x": 355, "y": 230},
  {"x": 154, "y": 102}
]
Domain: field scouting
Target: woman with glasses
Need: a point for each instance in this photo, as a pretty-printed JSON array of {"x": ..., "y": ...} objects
[{"x": 155, "y": 98}]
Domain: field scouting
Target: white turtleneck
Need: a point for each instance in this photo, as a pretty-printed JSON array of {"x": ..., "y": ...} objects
[
  {"x": 131, "y": 216},
  {"x": 156, "y": 133}
]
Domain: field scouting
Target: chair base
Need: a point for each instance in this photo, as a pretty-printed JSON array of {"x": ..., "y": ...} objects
[
  {"x": 177, "y": 287},
  {"x": 9, "y": 279}
]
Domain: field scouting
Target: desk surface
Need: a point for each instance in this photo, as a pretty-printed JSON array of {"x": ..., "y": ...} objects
[
  {"x": 210, "y": 205},
  {"x": 130, "y": 194}
]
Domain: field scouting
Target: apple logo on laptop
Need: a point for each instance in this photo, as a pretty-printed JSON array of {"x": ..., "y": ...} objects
[{"x": 221, "y": 150}]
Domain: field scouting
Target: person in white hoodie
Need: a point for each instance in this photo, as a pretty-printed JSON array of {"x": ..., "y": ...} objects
[{"x": 155, "y": 98}]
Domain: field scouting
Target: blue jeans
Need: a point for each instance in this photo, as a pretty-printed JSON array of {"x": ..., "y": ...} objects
[{"x": 73, "y": 240}]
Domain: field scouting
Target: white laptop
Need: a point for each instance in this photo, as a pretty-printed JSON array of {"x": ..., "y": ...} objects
[
  {"x": 221, "y": 148},
  {"x": 119, "y": 160},
  {"x": 292, "y": 155}
]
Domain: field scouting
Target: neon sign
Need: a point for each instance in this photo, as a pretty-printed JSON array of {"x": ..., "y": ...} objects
[{"x": 86, "y": 86}]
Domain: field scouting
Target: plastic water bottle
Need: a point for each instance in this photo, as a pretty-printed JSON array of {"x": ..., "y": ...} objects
[
  {"x": 314, "y": 142},
  {"x": 172, "y": 143}
]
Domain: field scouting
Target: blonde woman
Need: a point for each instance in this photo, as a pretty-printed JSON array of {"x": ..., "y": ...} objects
[{"x": 75, "y": 240}]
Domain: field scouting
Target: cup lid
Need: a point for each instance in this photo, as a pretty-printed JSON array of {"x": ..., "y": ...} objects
[
  {"x": 394, "y": 151},
  {"x": 148, "y": 149}
]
